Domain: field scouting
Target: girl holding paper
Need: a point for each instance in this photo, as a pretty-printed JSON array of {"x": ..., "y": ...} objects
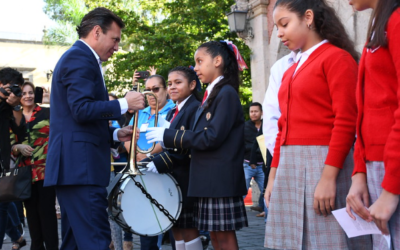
[{"x": 377, "y": 159}]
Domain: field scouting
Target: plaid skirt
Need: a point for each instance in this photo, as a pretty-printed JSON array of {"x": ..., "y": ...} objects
[
  {"x": 292, "y": 222},
  {"x": 185, "y": 220},
  {"x": 375, "y": 174},
  {"x": 220, "y": 214}
]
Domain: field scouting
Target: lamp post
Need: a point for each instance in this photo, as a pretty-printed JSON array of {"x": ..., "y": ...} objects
[{"x": 238, "y": 22}]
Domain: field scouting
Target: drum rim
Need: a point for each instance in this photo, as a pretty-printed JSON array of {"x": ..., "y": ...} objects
[{"x": 121, "y": 216}]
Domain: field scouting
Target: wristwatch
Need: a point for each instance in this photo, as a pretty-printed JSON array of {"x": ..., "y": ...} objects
[{"x": 17, "y": 108}]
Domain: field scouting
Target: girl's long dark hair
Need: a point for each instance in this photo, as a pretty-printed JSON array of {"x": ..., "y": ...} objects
[
  {"x": 230, "y": 67},
  {"x": 190, "y": 75},
  {"x": 379, "y": 19},
  {"x": 326, "y": 22}
]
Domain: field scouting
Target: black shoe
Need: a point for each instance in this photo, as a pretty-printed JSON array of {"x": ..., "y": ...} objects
[
  {"x": 18, "y": 244},
  {"x": 21, "y": 229}
]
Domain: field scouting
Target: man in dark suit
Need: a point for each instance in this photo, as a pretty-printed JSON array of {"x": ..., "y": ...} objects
[{"x": 78, "y": 162}]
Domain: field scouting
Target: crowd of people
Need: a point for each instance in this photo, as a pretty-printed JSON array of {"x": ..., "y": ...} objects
[{"x": 330, "y": 122}]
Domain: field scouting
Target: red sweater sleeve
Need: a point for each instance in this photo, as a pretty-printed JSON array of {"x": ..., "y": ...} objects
[
  {"x": 277, "y": 149},
  {"x": 341, "y": 75},
  {"x": 391, "y": 155}
]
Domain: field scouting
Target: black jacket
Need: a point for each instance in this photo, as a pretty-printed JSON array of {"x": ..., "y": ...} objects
[
  {"x": 6, "y": 123},
  {"x": 252, "y": 151},
  {"x": 177, "y": 163},
  {"x": 217, "y": 147}
]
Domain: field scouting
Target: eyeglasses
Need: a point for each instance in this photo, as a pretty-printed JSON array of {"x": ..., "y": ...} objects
[{"x": 154, "y": 90}]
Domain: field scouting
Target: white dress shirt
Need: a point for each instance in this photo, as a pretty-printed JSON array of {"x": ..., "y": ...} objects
[
  {"x": 271, "y": 111},
  {"x": 180, "y": 105},
  {"x": 123, "y": 103}
]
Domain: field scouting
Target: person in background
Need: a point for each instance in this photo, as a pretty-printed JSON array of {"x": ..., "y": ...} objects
[
  {"x": 272, "y": 113},
  {"x": 31, "y": 149},
  {"x": 253, "y": 162},
  {"x": 375, "y": 189},
  {"x": 10, "y": 112}
]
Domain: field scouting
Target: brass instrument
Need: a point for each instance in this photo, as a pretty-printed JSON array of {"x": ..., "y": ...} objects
[{"x": 133, "y": 166}]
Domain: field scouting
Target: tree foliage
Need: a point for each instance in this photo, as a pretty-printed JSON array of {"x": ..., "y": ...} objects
[{"x": 160, "y": 33}]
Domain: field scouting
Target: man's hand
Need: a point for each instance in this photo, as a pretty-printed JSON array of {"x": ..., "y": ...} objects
[
  {"x": 253, "y": 166},
  {"x": 125, "y": 133},
  {"x": 358, "y": 198},
  {"x": 135, "y": 100},
  {"x": 13, "y": 100}
]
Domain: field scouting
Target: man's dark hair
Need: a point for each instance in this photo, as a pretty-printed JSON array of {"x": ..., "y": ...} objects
[
  {"x": 256, "y": 104},
  {"x": 9, "y": 75},
  {"x": 98, "y": 16}
]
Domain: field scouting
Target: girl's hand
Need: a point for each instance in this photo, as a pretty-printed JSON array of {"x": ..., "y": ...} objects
[
  {"x": 152, "y": 70},
  {"x": 358, "y": 198},
  {"x": 140, "y": 156},
  {"x": 25, "y": 150},
  {"x": 383, "y": 209},
  {"x": 268, "y": 189},
  {"x": 325, "y": 192}
]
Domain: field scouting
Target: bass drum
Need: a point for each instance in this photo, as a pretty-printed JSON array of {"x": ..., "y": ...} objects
[{"x": 134, "y": 212}]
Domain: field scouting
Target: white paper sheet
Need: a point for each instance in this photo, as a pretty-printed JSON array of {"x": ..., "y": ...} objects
[{"x": 358, "y": 227}]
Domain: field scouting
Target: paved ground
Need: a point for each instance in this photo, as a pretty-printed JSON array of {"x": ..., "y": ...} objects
[{"x": 250, "y": 238}]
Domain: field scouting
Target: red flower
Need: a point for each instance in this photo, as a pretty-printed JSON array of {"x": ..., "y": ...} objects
[{"x": 45, "y": 130}]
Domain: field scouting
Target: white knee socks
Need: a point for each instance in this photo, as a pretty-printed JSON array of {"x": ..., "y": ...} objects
[
  {"x": 194, "y": 244},
  {"x": 180, "y": 245}
]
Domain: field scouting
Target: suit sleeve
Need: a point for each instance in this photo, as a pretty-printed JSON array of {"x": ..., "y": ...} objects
[
  {"x": 79, "y": 77},
  {"x": 225, "y": 116}
]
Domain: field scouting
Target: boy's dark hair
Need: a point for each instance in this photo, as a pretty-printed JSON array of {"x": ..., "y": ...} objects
[
  {"x": 327, "y": 24},
  {"x": 190, "y": 75},
  {"x": 256, "y": 104},
  {"x": 9, "y": 75},
  {"x": 231, "y": 68},
  {"x": 378, "y": 22},
  {"x": 98, "y": 16}
]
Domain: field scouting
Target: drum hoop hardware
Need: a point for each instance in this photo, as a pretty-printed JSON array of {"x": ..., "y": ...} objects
[{"x": 154, "y": 201}]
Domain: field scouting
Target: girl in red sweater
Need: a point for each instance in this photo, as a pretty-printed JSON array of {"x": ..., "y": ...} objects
[
  {"x": 312, "y": 164},
  {"x": 377, "y": 151}
]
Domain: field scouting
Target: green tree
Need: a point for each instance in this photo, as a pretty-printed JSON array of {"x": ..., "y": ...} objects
[{"x": 160, "y": 33}]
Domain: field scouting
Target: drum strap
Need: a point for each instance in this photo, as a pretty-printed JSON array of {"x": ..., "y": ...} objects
[{"x": 154, "y": 201}]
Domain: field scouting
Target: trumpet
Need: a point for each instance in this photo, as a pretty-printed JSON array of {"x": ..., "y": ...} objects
[{"x": 133, "y": 165}]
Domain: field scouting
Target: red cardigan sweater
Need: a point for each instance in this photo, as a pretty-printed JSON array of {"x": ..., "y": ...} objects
[
  {"x": 318, "y": 104},
  {"x": 378, "y": 97}
]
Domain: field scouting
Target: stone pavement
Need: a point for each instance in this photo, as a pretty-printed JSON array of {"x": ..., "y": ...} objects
[{"x": 250, "y": 238}]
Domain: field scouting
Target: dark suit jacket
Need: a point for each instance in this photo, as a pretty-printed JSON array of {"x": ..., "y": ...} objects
[
  {"x": 80, "y": 137},
  {"x": 177, "y": 163},
  {"x": 217, "y": 145}
]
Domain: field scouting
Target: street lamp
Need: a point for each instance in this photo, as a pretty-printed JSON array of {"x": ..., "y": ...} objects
[
  {"x": 239, "y": 23},
  {"x": 237, "y": 20}
]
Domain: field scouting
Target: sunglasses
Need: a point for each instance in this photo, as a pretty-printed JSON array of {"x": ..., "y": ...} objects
[{"x": 154, "y": 90}]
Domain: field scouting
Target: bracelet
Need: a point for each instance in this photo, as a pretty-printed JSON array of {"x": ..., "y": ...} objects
[{"x": 15, "y": 149}]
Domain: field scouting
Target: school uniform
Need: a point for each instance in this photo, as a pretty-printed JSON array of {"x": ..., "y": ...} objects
[
  {"x": 177, "y": 163},
  {"x": 216, "y": 175},
  {"x": 317, "y": 127},
  {"x": 378, "y": 123}
]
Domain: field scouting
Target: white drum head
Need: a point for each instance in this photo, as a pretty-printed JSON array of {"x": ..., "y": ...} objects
[{"x": 140, "y": 214}]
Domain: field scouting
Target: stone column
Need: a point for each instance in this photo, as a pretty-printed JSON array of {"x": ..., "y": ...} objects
[{"x": 258, "y": 26}]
